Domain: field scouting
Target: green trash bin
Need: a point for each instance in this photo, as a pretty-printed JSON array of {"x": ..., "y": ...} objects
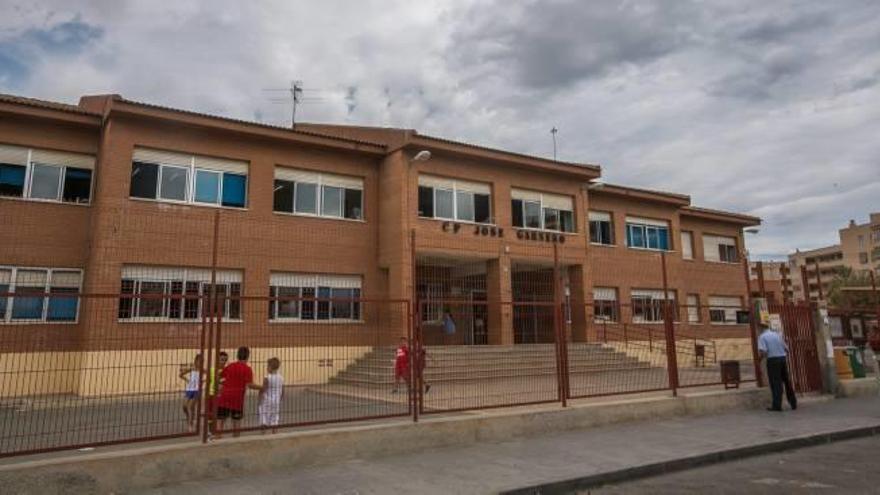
[{"x": 856, "y": 362}]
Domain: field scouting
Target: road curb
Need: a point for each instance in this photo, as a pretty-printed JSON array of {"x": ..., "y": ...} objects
[{"x": 684, "y": 463}]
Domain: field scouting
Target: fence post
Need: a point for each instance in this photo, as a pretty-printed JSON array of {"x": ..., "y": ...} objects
[
  {"x": 415, "y": 338},
  {"x": 212, "y": 328},
  {"x": 805, "y": 283},
  {"x": 561, "y": 352},
  {"x": 671, "y": 349},
  {"x": 753, "y": 322}
]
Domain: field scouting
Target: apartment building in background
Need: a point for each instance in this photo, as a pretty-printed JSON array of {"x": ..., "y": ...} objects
[
  {"x": 771, "y": 280},
  {"x": 113, "y": 196},
  {"x": 859, "y": 250}
]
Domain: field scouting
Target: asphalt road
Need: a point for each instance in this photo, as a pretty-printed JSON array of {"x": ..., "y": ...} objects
[{"x": 842, "y": 467}]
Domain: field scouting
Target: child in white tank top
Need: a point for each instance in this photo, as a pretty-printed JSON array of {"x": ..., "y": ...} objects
[{"x": 271, "y": 396}]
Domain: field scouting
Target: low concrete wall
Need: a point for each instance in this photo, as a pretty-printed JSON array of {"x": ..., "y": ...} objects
[
  {"x": 126, "y": 372},
  {"x": 858, "y": 387},
  {"x": 151, "y": 467}
]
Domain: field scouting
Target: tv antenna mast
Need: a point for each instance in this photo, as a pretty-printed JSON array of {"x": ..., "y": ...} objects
[
  {"x": 296, "y": 99},
  {"x": 553, "y": 131}
]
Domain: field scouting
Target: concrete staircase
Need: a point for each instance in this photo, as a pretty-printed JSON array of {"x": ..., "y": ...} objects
[{"x": 460, "y": 364}]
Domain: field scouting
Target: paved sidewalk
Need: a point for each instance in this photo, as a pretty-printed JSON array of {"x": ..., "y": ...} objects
[{"x": 490, "y": 468}]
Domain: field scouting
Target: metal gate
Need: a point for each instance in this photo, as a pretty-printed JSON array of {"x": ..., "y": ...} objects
[{"x": 803, "y": 358}]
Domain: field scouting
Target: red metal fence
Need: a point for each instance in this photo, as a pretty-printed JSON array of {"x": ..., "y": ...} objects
[{"x": 81, "y": 368}]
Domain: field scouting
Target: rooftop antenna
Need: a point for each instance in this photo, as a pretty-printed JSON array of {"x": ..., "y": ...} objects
[
  {"x": 296, "y": 98},
  {"x": 553, "y": 131}
]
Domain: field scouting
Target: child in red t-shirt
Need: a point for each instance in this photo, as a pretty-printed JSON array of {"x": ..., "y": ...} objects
[
  {"x": 401, "y": 364},
  {"x": 236, "y": 379}
]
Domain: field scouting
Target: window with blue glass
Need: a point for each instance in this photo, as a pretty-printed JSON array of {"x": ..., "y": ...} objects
[
  {"x": 39, "y": 294},
  {"x": 167, "y": 176},
  {"x": 45, "y": 175},
  {"x": 647, "y": 234}
]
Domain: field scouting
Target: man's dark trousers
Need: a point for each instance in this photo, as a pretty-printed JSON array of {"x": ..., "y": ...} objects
[{"x": 777, "y": 373}]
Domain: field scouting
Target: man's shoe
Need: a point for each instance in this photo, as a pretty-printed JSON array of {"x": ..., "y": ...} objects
[{"x": 773, "y": 409}]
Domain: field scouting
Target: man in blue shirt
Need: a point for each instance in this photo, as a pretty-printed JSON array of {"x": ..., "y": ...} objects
[{"x": 771, "y": 346}]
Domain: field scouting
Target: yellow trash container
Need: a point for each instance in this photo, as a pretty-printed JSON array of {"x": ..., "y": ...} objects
[{"x": 842, "y": 364}]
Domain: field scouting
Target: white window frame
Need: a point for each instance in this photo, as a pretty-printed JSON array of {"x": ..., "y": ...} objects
[
  {"x": 203, "y": 285},
  {"x": 432, "y": 302},
  {"x": 655, "y": 225},
  {"x": 644, "y": 293},
  {"x": 322, "y": 181},
  {"x": 6, "y": 317},
  {"x": 28, "y": 179},
  {"x": 616, "y": 305},
  {"x": 344, "y": 282},
  {"x": 716, "y": 240},
  {"x": 456, "y": 190},
  {"x": 543, "y": 214},
  {"x": 693, "y": 310},
  {"x": 687, "y": 245},
  {"x": 190, "y": 190},
  {"x": 728, "y": 309},
  {"x": 598, "y": 216}
]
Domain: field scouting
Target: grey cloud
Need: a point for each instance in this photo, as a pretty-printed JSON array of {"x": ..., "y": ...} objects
[
  {"x": 554, "y": 44},
  {"x": 746, "y": 105}
]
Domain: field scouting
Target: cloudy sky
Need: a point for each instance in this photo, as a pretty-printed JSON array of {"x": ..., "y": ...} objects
[{"x": 770, "y": 108}]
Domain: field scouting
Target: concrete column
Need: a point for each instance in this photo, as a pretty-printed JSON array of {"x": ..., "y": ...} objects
[
  {"x": 499, "y": 296},
  {"x": 580, "y": 314}
]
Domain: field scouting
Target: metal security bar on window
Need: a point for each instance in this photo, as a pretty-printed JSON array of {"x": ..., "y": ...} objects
[{"x": 38, "y": 294}]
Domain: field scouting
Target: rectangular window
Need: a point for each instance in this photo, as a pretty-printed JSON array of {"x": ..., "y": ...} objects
[
  {"x": 312, "y": 193},
  {"x": 426, "y": 202},
  {"x": 643, "y": 233},
  {"x": 601, "y": 228},
  {"x": 283, "y": 196},
  {"x": 720, "y": 249},
  {"x": 5, "y": 285},
  {"x": 177, "y": 294},
  {"x": 542, "y": 211},
  {"x": 45, "y": 181},
  {"x": 39, "y": 294},
  {"x": 314, "y": 297},
  {"x": 430, "y": 301},
  {"x": 12, "y": 180},
  {"x": 331, "y": 201},
  {"x": 178, "y": 177},
  {"x": 144, "y": 180},
  {"x": 863, "y": 258},
  {"x": 306, "y": 198},
  {"x": 532, "y": 214},
  {"x": 354, "y": 200},
  {"x": 77, "y": 185},
  {"x": 173, "y": 183},
  {"x": 647, "y": 305},
  {"x": 722, "y": 309},
  {"x": 450, "y": 199},
  {"x": 234, "y": 190},
  {"x": 444, "y": 204},
  {"x": 482, "y": 208},
  {"x": 207, "y": 187},
  {"x": 693, "y": 308},
  {"x": 45, "y": 175},
  {"x": 605, "y": 306},
  {"x": 464, "y": 202},
  {"x": 687, "y": 245}
]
